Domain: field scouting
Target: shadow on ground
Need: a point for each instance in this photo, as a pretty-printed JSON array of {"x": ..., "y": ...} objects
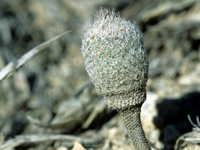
[{"x": 172, "y": 118}]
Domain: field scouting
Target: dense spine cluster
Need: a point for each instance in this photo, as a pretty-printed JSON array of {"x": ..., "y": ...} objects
[{"x": 116, "y": 60}]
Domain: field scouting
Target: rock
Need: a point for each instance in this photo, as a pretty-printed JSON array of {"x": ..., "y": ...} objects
[
  {"x": 78, "y": 146},
  {"x": 62, "y": 148}
]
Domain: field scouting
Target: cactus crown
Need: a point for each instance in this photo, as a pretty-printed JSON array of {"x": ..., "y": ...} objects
[{"x": 116, "y": 59}]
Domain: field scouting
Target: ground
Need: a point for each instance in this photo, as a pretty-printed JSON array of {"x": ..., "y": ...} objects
[{"x": 50, "y": 102}]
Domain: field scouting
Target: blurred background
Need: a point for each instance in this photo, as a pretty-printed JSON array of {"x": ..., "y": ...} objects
[{"x": 54, "y": 86}]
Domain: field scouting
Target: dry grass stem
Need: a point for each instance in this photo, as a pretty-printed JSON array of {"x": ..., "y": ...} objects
[
  {"x": 192, "y": 137},
  {"x": 27, "y": 139},
  {"x": 12, "y": 67}
]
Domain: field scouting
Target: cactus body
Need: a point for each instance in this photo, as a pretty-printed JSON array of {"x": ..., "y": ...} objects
[
  {"x": 131, "y": 118},
  {"x": 117, "y": 62}
]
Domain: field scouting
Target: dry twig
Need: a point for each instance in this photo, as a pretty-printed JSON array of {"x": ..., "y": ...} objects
[
  {"x": 27, "y": 139},
  {"x": 192, "y": 137},
  {"x": 12, "y": 67}
]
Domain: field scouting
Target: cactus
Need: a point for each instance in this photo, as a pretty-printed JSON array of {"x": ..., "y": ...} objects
[{"x": 117, "y": 63}]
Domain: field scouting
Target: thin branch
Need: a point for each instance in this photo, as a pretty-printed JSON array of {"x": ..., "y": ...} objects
[
  {"x": 12, "y": 67},
  {"x": 27, "y": 139}
]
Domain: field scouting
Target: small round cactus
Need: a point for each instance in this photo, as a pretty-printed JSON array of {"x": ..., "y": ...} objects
[{"x": 117, "y": 63}]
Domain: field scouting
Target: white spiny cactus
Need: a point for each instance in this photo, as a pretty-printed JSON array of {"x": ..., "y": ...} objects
[{"x": 117, "y": 63}]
